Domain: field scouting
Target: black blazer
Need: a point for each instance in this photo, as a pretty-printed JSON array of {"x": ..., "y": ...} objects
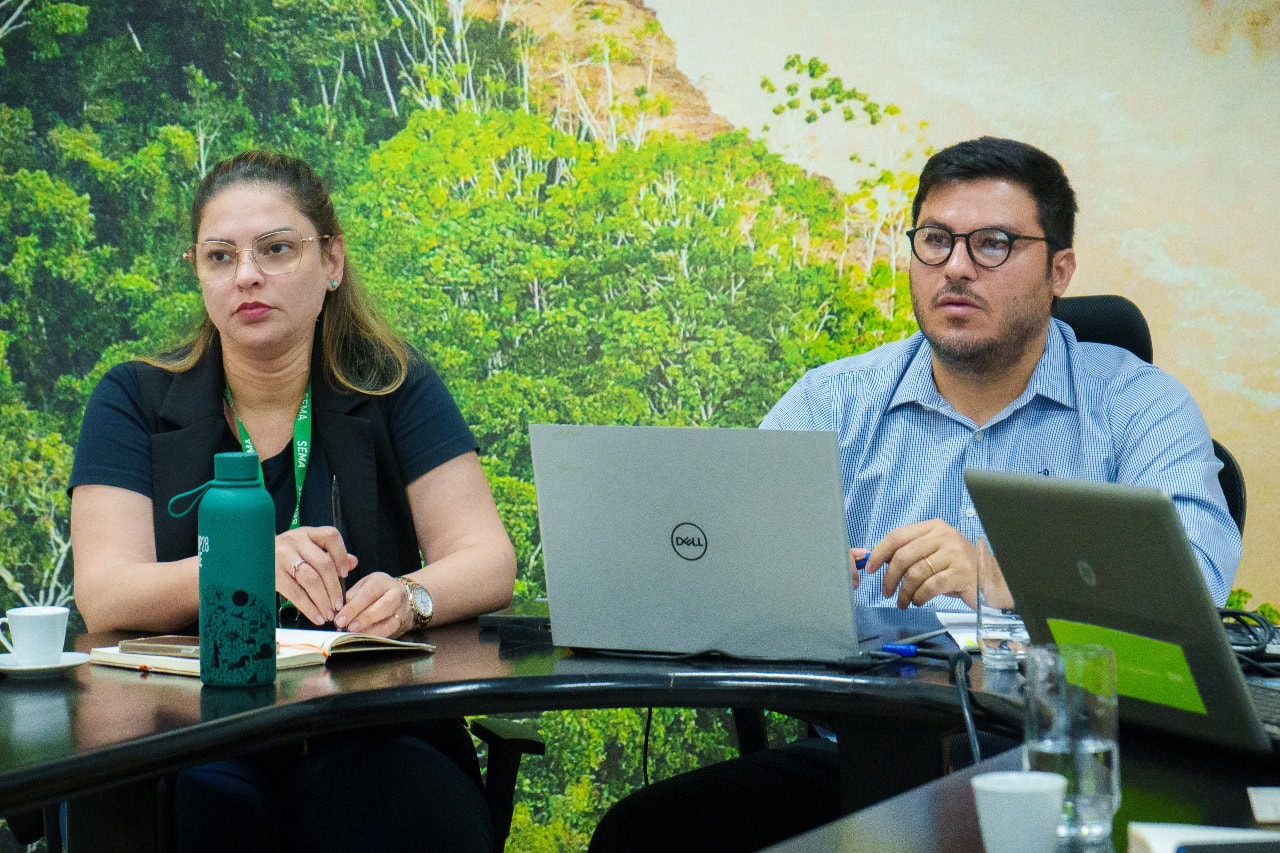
[{"x": 188, "y": 427}]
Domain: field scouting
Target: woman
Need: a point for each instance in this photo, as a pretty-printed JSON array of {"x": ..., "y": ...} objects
[{"x": 288, "y": 329}]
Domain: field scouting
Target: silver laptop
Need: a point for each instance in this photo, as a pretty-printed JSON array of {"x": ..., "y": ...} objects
[
  {"x": 689, "y": 540},
  {"x": 1100, "y": 562}
]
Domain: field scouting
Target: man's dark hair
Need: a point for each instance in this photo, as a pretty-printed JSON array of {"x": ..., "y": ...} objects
[{"x": 1010, "y": 160}]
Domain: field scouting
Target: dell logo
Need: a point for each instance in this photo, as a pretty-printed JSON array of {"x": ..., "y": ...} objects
[
  {"x": 1086, "y": 572},
  {"x": 688, "y": 541}
]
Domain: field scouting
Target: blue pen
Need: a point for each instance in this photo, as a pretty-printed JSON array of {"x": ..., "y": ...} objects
[{"x": 861, "y": 562}]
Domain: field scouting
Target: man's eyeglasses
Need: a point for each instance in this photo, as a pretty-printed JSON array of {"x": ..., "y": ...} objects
[
  {"x": 987, "y": 247},
  {"x": 216, "y": 261}
]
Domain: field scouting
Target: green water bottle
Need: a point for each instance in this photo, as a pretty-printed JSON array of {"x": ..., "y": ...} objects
[{"x": 237, "y": 576}]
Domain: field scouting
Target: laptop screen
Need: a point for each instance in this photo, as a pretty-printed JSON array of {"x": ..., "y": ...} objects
[
  {"x": 695, "y": 540},
  {"x": 1105, "y": 563}
]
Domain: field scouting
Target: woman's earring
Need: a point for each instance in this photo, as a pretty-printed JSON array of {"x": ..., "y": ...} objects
[{"x": 333, "y": 285}]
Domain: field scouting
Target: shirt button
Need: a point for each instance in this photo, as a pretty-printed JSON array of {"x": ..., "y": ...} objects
[
  {"x": 970, "y": 512},
  {"x": 977, "y": 436}
]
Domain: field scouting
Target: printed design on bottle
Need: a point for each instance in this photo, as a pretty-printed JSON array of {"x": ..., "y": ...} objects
[{"x": 237, "y": 623}]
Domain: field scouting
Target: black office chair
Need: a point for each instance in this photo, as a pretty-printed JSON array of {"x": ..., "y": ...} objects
[
  {"x": 1107, "y": 319},
  {"x": 1114, "y": 320}
]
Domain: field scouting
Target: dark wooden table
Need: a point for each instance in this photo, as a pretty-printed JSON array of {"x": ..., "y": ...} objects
[
  {"x": 100, "y": 727},
  {"x": 1162, "y": 781}
]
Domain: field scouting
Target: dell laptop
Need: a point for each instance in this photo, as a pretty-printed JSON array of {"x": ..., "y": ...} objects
[
  {"x": 1106, "y": 563},
  {"x": 701, "y": 540}
]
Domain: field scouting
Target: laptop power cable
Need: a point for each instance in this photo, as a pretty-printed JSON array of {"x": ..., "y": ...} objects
[
  {"x": 1252, "y": 638},
  {"x": 959, "y": 663}
]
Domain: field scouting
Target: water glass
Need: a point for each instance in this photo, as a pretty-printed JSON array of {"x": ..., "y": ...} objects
[
  {"x": 1002, "y": 637},
  {"x": 1070, "y": 728}
]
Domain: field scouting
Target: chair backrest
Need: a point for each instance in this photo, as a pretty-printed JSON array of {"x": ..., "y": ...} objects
[
  {"x": 1107, "y": 319},
  {"x": 1110, "y": 319},
  {"x": 1232, "y": 480}
]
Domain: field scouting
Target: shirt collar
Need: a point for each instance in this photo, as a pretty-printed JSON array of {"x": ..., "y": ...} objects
[{"x": 1051, "y": 378}]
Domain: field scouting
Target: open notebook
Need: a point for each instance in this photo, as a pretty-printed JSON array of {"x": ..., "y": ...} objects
[{"x": 294, "y": 647}]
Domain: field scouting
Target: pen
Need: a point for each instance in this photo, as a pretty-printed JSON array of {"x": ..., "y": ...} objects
[
  {"x": 920, "y": 638},
  {"x": 861, "y": 562},
  {"x": 335, "y": 506}
]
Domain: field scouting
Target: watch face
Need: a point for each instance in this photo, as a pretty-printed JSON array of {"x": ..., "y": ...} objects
[{"x": 422, "y": 601}]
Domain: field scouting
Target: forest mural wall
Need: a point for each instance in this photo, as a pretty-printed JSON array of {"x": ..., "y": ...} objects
[{"x": 545, "y": 205}]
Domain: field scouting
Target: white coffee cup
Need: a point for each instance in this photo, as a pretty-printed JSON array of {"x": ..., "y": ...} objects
[
  {"x": 1018, "y": 811},
  {"x": 36, "y": 634}
]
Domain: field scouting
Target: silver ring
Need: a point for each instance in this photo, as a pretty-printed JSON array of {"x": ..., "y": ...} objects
[{"x": 298, "y": 562}]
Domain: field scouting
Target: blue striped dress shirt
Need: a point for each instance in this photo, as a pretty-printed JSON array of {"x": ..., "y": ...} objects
[{"x": 1090, "y": 411}]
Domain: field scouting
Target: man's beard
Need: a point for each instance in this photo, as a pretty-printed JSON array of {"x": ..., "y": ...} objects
[{"x": 962, "y": 353}]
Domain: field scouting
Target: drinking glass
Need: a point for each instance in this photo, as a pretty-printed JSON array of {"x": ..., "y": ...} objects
[
  {"x": 1002, "y": 637},
  {"x": 1070, "y": 728}
]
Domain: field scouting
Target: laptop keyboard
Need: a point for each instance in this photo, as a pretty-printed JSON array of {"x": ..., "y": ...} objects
[{"x": 1266, "y": 699}]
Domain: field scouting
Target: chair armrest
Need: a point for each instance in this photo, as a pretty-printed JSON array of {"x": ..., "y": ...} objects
[
  {"x": 508, "y": 741},
  {"x": 508, "y": 735}
]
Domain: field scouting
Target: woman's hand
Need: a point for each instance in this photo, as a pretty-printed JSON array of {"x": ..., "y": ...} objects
[
  {"x": 377, "y": 604},
  {"x": 310, "y": 565}
]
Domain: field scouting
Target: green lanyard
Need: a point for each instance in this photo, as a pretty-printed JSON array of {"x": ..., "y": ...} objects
[{"x": 301, "y": 446}]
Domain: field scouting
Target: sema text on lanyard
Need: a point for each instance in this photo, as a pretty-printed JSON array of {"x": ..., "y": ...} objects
[{"x": 301, "y": 446}]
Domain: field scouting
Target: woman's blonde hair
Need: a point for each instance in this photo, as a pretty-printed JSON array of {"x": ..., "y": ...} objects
[{"x": 360, "y": 350}]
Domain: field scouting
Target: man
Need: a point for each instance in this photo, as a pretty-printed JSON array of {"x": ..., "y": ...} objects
[{"x": 989, "y": 381}]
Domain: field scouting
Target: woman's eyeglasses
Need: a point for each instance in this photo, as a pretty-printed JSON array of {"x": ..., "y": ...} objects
[{"x": 216, "y": 261}]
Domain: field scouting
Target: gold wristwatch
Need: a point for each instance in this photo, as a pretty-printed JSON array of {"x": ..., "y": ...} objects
[{"x": 419, "y": 602}]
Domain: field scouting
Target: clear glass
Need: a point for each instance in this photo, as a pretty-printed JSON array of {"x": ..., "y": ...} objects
[
  {"x": 1002, "y": 638},
  {"x": 216, "y": 261},
  {"x": 1070, "y": 728}
]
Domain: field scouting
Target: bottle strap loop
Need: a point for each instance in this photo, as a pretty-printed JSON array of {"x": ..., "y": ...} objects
[{"x": 197, "y": 493}]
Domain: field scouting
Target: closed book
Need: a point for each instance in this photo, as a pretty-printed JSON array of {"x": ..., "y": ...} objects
[
  {"x": 294, "y": 647},
  {"x": 1174, "y": 837}
]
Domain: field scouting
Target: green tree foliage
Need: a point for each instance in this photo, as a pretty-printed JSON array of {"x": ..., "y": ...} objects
[
  {"x": 52, "y": 271},
  {"x": 555, "y": 280},
  {"x": 48, "y": 22},
  {"x": 34, "y": 466}
]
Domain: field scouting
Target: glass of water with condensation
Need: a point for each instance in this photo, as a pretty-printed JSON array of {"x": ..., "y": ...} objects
[{"x": 1070, "y": 728}]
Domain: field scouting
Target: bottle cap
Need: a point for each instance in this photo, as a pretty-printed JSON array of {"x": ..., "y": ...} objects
[{"x": 235, "y": 466}]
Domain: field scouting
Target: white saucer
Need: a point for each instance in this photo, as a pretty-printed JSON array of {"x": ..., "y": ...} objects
[{"x": 49, "y": 670}]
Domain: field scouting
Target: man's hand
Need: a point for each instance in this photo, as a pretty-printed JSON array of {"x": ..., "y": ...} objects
[
  {"x": 928, "y": 559},
  {"x": 856, "y": 554}
]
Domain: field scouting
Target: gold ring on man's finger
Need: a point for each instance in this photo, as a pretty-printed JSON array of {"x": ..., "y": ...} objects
[{"x": 929, "y": 563}]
